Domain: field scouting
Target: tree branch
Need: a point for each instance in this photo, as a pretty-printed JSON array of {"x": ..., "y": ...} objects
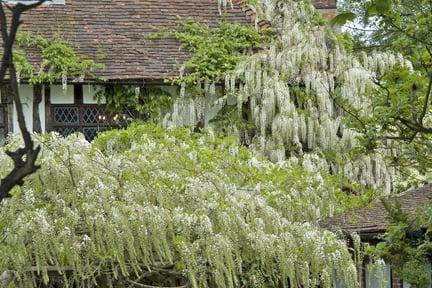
[
  {"x": 429, "y": 50},
  {"x": 417, "y": 127},
  {"x": 426, "y": 102},
  {"x": 414, "y": 37},
  {"x": 24, "y": 159}
]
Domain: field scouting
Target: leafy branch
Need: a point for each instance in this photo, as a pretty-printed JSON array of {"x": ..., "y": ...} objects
[
  {"x": 58, "y": 59},
  {"x": 215, "y": 50}
]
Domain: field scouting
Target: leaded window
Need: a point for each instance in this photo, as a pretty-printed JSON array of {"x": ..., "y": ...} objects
[{"x": 85, "y": 118}]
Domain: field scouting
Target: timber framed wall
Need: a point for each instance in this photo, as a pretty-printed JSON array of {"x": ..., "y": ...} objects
[{"x": 74, "y": 110}]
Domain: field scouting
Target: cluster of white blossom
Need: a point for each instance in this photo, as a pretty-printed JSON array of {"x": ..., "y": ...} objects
[
  {"x": 293, "y": 122},
  {"x": 297, "y": 88},
  {"x": 186, "y": 111},
  {"x": 140, "y": 197}
]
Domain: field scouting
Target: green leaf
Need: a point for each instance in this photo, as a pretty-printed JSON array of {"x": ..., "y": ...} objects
[
  {"x": 383, "y": 6},
  {"x": 371, "y": 10},
  {"x": 343, "y": 18}
]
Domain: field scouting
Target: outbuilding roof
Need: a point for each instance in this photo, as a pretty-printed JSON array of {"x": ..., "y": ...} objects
[{"x": 373, "y": 219}]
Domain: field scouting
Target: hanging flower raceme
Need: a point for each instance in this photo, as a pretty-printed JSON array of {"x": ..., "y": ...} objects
[
  {"x": 297, "y": 87},
  {"x": 216, "y": 212}
]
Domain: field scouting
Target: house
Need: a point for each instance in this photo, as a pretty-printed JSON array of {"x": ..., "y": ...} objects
[
  {"x": 115, "y": 29},
  {"x": 372, "y": 221}
]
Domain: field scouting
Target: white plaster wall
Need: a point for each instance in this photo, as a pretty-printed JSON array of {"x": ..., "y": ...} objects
[
  {"x": 26, "y": 96},
  {"x": 89, "y": 94},
  {"x": 42, "y": 111},
  {"x": 60, "y": 96}
]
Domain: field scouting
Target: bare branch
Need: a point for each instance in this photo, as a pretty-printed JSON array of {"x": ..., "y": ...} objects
[
  {"x": 24, "y": 159},
  {"x": 414, "y": 126}
]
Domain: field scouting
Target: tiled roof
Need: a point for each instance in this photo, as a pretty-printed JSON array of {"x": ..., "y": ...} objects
[
  {"x": 373, "y": 219},
  {"x": 115, "y": 31}
]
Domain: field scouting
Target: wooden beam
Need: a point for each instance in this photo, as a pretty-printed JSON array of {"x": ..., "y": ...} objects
[
  {"x": 78, "y": 94},
  {"x": 37, "y": 99},
  {"x": 48, "y": 125}
]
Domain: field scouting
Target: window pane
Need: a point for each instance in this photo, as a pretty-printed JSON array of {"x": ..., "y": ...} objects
[
  {"x": 93, "y": 114},
  {"x": 66, "y": 115},
  {"x": 88, "y": 119}
]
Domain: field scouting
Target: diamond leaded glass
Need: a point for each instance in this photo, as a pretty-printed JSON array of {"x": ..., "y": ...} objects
[
  {"x": 85, "y": 118},
  {"x": 66, "y": 115},
  {"x": 93, "y": 114}
]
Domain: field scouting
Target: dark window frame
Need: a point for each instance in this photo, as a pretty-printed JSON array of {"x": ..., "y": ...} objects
[{"x": 96, "y": 122}]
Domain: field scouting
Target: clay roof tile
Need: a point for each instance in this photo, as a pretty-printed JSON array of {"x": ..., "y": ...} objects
[{"x": 374, "y": 218}]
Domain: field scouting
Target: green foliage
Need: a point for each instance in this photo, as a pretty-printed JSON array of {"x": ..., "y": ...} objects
[
  {"x": 342, "y": 18},
  {"x": 353, "y": 196},
  {"x": 252, "y": 2},
  {"x": 401, "y": 26},
  {"x": 381, "y": 7},
  {"x": 400, "y": 99},
  {"x": 229, "y": 118},
  {"x": 150, "y": 201},
  {"x": 215, "y": 51},
  {"x": 57, "y": 59},
  {"x": 345, "y": 39},
  {"x": 407, "y": 29},
  {"x": 152, "y": 103}
]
